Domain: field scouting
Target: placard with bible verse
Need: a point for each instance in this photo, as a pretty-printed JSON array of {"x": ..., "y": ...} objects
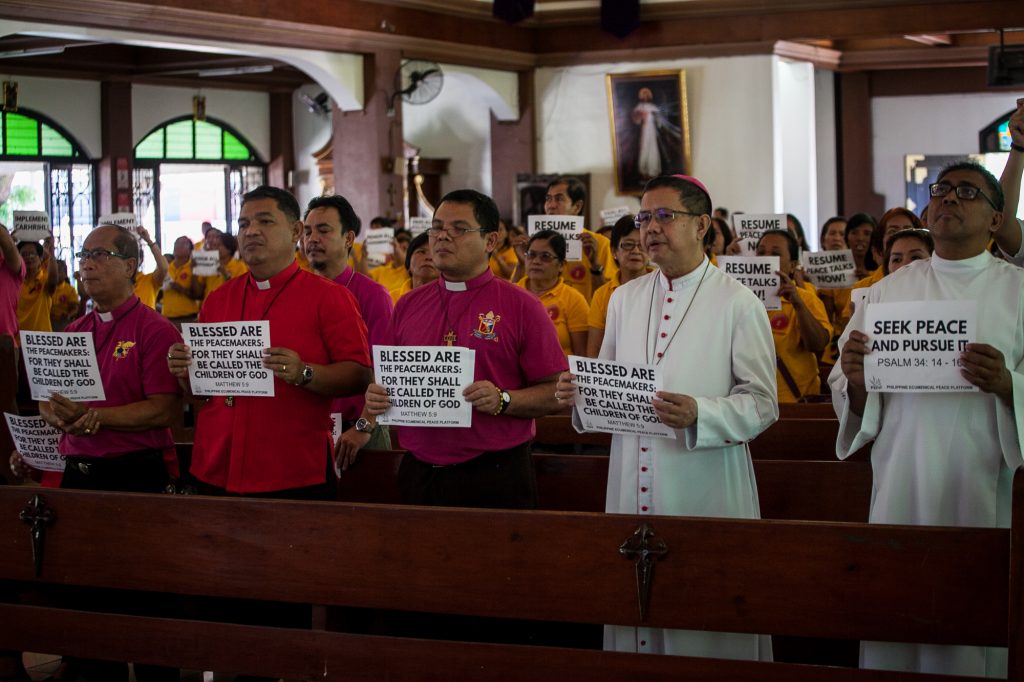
[
  {"x": 615, "y": 397},
  {"x": 227, "y": 358},
  {"x": 36, "y": 442},
  {"x": 425, "y": 384},
  {"x": 915, "y": 346},
  {"x": 62, "y": 362}
]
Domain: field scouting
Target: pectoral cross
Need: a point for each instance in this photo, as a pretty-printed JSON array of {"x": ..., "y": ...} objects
[
  {"x": 37, "y": 516},
  {"x": 449, "y": 338},
  {"x": 645, "y": 549},
  {"x": 229, "y": 401}
]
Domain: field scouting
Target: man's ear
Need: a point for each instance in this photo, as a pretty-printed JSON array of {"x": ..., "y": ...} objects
[
  {"x": 703, "y": 225},
  {"x": 491, "y": 242}
]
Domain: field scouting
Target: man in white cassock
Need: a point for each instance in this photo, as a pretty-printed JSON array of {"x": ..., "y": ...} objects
[
  {"x": 944, "y": 458},
  {"x": 711, "y": 336}
]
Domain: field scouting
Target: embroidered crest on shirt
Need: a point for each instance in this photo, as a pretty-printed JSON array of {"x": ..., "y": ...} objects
[
  {"x": 122, "y": 348},
  {"x": 780, "y": 321},
  {"x": 577, "y": 272},
  {"x": 485, "y": 330},
  {"x": 554, "y": 312}
]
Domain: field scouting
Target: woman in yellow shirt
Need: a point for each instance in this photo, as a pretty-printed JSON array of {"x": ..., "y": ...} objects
[
  {"x": 65, "y": 300},
  {"x": 229, "y": 267},
  {"x": 628, "y": 252},
  {"x": 503, "y": 259},
  {"x": 36, "y": 296},
  {"x": 566, "y": 307}
]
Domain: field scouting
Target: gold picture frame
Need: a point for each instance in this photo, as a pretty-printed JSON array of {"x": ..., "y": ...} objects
[{"x": 650, "y": 126}]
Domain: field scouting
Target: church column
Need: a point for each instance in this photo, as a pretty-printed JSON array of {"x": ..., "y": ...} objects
[
  {"x": 366, "y": 143},
  {"x": 115, "y": 167},
  {"x": 856, "y": 160},
  {"x": 512, "y": 148},
  {"x": 282, "y": 142}
]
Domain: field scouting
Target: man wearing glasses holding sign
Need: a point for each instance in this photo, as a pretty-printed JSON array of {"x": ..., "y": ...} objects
[
  {"x": 943, "y": 458},
  {"x": 710, "y": 336}
]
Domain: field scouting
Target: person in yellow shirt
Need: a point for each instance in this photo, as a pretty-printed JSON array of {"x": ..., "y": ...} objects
[
  {"x": 566, "y": 307},
  {"x": 801, "y": 330},
  {"x": 148, "y": 284},
  {"x": 503, "y": 258},
  {"x": 180, "y": 302},
  {"x": 628, "y": 248},
  {"x": 859, "y": 229},
  {"x": 65, "y": 300},
  {"x": 227, "y": 246},
  {"x": 837, "y": 301},
  {"x": 566, "y": 195},
  {"x": 392, "y": 275},
  {"x": 36, "y": 297},
  {"x": 420, "y": 264}
]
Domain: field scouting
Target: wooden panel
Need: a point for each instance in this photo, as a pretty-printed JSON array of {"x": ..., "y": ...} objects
[
  {"x": 818, "y": 491},
  {"x": 773, "y": 577}
]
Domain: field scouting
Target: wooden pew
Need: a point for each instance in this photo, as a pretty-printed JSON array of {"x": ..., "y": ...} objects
[{"x": 854, "y": 581}]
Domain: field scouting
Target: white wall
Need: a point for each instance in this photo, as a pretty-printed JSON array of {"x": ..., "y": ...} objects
[
  {"x": 825, "y": 146},
  {"x": 75, "y": 104},
  {"x": 796, "y": 179},
  {"x": 730, "y": 106},
  {"x": 246, "y": 112},
  {"x": 310, "y": 133},
  {"x": 937, "y": 124}
]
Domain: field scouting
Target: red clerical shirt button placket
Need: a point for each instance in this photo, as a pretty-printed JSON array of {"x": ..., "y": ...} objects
[{"x": 645, "y": 477}]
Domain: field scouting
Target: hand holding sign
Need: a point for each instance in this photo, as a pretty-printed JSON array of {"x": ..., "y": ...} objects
[
  {"x": 675, "y": 410},
  {"x": 851, "y": 360},
  {"x": 74, "y": 418},
  {"x": 985, "y": 367}
]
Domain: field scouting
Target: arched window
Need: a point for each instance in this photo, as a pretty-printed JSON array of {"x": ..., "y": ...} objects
[
  {"x": 995, "y": 137},
  {"x": 48, "y": 170},
  {"x": 188, "y": 172}
]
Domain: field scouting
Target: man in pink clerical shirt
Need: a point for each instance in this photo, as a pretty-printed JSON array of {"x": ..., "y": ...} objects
[{"x": 517, "y": 361}]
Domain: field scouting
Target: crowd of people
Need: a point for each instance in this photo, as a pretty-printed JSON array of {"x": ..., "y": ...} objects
[{"x": 648, "y": 293}]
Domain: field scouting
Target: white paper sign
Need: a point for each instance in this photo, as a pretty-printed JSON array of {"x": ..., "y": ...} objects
[
  {"x": 615, "y": 397},
  {"x": 758, "y": 273},
  {"x": 425, "y": 384},
  {"x": 205, "y": 263},
  {"x": 379, "y": 241},
  {"x": 62, "y": 362},
  {"x": 126, "y": 220},
  {"x": 227, "y": 358},
  {"x": 610, "y": 216},
  {"x": 830, "y": 269},
  {"x": 36, "y": 441},
  {"x": 747, "y": 247},
  {"x": 916, "y": 345},
  {"x": 569, "y": 226},
  {"x": 336, "y": 423},
  {"x": 752, "y": 226},
  {"x": 31, "y": 226},
  {"x": 419, "y": 224},
  {"x": 858, "y": 298}
]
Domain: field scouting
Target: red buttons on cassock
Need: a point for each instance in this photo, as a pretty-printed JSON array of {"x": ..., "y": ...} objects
[{"x": 643, "y": 508}]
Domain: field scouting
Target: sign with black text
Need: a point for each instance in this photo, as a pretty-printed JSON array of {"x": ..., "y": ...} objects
[
  {"x": 36, "y": 442},
  {"x": 419, "y": 224},
  {"x": 126, "y": 220},
  {"x": 758, "y": 273},
  {"x": 227, "y": 358},
  {"x": 62, "y": 362},
  {"x": 830, "y": 269},
  {"x": 610, "y": 216},
  {"x": 915, "y": 346},
  {"x": 569, "y": 226},
  {"x": 425, "y": 384},
  {"x": 752, "y": 226},
  {"x": 205, "y": 263},
  {"x": 30, "y": 226},
  {"x": 615, "y": 397}
]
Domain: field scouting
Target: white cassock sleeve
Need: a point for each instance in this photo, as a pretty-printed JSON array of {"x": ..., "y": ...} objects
[{"x": 854, "y": 432}]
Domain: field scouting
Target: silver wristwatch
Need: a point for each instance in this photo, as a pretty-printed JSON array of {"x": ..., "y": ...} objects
[
  {"x": 364, "y": 425},
  {"x": 307, "y": 375}
]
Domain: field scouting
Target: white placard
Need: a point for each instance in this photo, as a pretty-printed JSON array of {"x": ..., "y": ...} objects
[
  {"x": 569, "y": 226},
  {"x": 747, "y": 247},
  {"x": 830, "y": 269},
  {"x": 419, "y": 224},
  {"x": 916, "y": 345},
  {"x": 126, "y": 220},
  {"x": 227, "y": 358},
  {"x": 610, "y": 216},
  {"x": 30, "y": 226},
  {"x": 62, "y": 362},
  {"x": 858, "y": 297},
  {"x": 36, "y": 442},
  {"x": 425, "y": 384},
  {"x": 205, "y": 263},
  {"x": 615, "y": 397},
  {"x": 758, "y": 273},
  {"x": 752, "y": 226},
  {"x": 379, "y": 241},
  {"x": 336, "y": 423}
]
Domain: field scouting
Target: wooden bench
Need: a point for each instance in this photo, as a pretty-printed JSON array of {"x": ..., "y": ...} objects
[{"x": 852, "y": 581}]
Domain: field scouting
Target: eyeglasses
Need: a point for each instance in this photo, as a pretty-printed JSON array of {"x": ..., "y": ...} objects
[
  {"x": 453, "y": 231},
  {"x": 542, "y": 256},
  {"x": 630, "y": 246},
  {"x": 660, "y": 215},
  {"x": 99, "y": 255},
  {"x": 941, "y": 189}
]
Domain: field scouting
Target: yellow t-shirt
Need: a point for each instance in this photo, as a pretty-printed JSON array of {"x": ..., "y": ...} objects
[
  {"x": 65, "y": 303},
  {"x": 391, "y": 278},
  {"x": 599, "y": 304},
  {"x": 576, "y": 273},
  {"x": 566, "y": 308},
  {"x": 839, "y": 301},
  {"x": 402, "y": 290},
  {"x": 177, "y": 304},
  {"x": 801, "y": 363},
  {"x": 146, "y": 288},
  {"x": 300, "y": 258},
  {"x": 506, "y": 256},
  {"x": 211, "y": 283},
  {"x": 34, "y": 304},
  {"x": 355, "y": 254}
]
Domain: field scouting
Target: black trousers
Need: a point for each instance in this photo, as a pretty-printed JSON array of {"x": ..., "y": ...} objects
[{"x": 501, "y": 479}]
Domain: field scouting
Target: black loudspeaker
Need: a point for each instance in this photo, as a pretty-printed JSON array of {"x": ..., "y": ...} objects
[
  {"x": 1006, "y": 65},
  {"x": 620, "y": 17},
  {"x": 513, "y": 11}
]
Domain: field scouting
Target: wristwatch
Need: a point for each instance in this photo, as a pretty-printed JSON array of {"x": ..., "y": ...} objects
[
  {"x": 505, "y": 400},
  {"x": 307, "y": 375},
  {"x": 597, "y": 271},
  {"x": 364, "y": 425}
]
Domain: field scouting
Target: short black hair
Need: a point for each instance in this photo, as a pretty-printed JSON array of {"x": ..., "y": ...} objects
[
  {"x": 555, "y": 240},
  {"x": 922, "y": 235},
  {"x": 724, "y": 228},
  {"x": 573, "y": 187},
  {"x": 230, "y": 242},
  {"x": 417, "y": 241},
  {"x": 794, "y": 245},
  {"x": 623, "y": 227},
  {"x": 855, "y": 221},
  {"x": 285, "y": 200},
  {"x": 995, "y": 190},
  {"x": 346, "y": 214},
  {"x": 485, "y": 211},
  {"x": 800, "y": 238},
  {"x": 380, "y": 221},
  {"x": 824, "y": 227},
  {"x": 690, "y": 195},
  {"x": 36, "y": 245}
]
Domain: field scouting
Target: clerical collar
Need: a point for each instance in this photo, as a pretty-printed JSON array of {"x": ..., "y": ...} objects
[
  {"x": 978, "y": 262},
  {"x": 118, "y": 312},
  {"x": 475, "y": 283},
  {"x": 683, "y": 281},
  {"x": 275, "y": 281}
]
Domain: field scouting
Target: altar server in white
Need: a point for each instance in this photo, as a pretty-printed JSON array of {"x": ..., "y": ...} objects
[
  {"x": 711, "y": 336},
  {"x": 944, "y": 458}
]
